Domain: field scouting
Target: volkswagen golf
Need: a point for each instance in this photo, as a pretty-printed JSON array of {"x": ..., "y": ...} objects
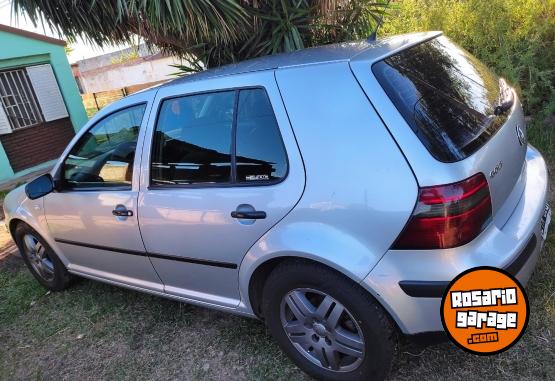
[{"x": 331, "y": 192}]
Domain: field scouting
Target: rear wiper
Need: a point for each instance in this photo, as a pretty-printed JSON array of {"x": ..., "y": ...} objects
[
  {"x": 502, "y": 108},
  {"x": 506, "y": 101}
]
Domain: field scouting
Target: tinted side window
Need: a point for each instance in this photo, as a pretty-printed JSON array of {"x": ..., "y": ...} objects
[
  {"x": 104, "y": 155},
  {"x": 192, "y": 140},
  {"x": 260, "y": 152}
]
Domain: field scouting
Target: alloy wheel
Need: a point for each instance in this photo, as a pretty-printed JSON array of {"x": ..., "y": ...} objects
[
  {"x": 322, "y": 330},
  {"x": 39, "y": 259}
]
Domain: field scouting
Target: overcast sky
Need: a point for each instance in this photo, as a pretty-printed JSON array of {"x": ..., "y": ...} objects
[{"x": 81, "y": 49}]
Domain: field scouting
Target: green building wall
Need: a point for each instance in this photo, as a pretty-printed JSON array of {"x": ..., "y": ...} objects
[
  {"x": 18, "y": 51},
  {"x": 6, "y": 171}
]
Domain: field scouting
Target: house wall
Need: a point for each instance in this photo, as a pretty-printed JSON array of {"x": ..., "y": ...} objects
[
  {"x": 138, "y": 71},
  {"x": 6, "y": 170},
  {"x": 31, "y": 146},
  {"x": 18, "y": 51},
  {"x": 108, "y": 59}
]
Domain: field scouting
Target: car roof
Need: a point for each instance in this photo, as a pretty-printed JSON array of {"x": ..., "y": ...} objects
[{"x": 346, "y": 51}]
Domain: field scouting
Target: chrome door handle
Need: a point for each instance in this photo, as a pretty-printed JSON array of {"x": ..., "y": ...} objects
[
  {"x": 254, "y": 215},
  {"x": 247, "y": 212},
  {"x": 122, "y": 211}
]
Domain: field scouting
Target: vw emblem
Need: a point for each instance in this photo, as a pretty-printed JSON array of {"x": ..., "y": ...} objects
[{"x": 520, "y": 135}]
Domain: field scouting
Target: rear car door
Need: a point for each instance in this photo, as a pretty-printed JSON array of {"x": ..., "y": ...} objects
[
  {"x": 223, "y": 168},
  {"x": 93, "y": 218}
]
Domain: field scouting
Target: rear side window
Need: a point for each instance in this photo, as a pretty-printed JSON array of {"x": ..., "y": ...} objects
[
  {"x": 260, "y": 152},
  {"x": 228, "y": 137},
  {"x": 449, "y": 98}
]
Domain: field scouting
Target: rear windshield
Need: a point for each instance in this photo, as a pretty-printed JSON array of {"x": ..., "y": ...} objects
[{"x": 452, "y": 101}]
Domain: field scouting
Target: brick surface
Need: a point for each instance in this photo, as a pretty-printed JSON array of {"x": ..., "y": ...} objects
[{"x": 35, "y": 145}]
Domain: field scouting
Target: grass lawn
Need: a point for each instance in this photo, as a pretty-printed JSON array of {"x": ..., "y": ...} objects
[{"x": 96, "y": 331}]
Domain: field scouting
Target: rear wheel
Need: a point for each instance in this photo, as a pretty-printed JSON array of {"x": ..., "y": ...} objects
[
  {"x": 41, "y": 260},
  {"x": 328, "y": 325}
]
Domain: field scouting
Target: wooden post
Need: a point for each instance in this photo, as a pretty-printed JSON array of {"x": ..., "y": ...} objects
[{"x": 95, "y": 102}]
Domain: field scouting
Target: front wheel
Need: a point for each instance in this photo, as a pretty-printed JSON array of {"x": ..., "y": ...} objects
[
  {"x": 327, "y": 324},
  {"x": 41, "y": 260}
]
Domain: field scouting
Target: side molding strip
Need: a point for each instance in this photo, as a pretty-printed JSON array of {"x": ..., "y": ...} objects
[{"x": 204, "y": 262}]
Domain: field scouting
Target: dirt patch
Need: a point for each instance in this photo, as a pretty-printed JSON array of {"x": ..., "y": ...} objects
[
  {"x": 7, "y": 246},
  {"x": 11, "y": 262},
  {"x": 2, "y": 216}
]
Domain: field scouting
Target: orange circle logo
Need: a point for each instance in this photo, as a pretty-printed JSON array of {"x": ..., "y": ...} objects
[{"x": 484, "y": 310}]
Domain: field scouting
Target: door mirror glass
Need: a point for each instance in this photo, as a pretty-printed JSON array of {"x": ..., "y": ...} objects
[{"x": 40, "y": 187}]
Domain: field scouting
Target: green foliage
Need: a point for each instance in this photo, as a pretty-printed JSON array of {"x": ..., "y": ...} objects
[
  {"x": 515, "y": 37},
  {"x": 126, "y": 57},
  {"x": 351, "y": 20},
  {"x": 215, "y": 32},
  {"x": 170, "y": 24},
  {"x": 275, "y": 26}
]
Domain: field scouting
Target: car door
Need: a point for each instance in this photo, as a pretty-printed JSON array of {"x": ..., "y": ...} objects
[
  {"x": 223, "y": 168},
  {"x": 93, "y": 217}
]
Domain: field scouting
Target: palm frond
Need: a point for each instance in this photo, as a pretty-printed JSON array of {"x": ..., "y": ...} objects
[
  {"x": 216, "y": 32},
  {"x": 171, "y": 24}
]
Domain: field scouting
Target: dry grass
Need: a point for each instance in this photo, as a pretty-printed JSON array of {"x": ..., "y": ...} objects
[{"x": 95, "y": 331}]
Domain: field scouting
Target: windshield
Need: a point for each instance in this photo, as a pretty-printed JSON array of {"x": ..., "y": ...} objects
[{"x": 452, "y": 101}]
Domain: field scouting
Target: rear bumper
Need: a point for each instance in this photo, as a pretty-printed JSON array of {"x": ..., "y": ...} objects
[{"x": 409, "y": 284}]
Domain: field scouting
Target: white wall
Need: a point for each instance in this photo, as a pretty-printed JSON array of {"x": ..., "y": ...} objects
[{"x": 128, "y": 74}]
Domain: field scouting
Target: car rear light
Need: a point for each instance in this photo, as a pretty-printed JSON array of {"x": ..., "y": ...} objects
[{"x": 448, "y": 215}]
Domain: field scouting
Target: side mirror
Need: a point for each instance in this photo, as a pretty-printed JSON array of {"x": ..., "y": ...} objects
[{"x": 40, "y": 187}]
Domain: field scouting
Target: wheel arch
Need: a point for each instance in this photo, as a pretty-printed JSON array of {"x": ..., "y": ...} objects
[
  {"x": 38, "y": 225},
  {"x": 262, "y": 271},
  {"x": 14, "y": 222}
]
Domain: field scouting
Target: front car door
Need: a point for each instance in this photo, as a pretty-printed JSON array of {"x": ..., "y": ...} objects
[
  {"x": 223, "y": 168},
  {"x": 93, "y": 219}
]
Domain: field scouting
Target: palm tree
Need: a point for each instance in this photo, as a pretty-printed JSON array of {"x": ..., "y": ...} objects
[{"x": 216, "y": 32}]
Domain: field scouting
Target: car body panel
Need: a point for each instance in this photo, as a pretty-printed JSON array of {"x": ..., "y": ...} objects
[
  {"x": 494, "y": 247},
  {"x": 17, "y": 207},
  {"x": 95, "y": 225},
  {"x": 120, "y": 254},
  {"x": 195, "y": 222},
  {"x": 503, "y": 150},
  {"x": 347, "y": 217},
  {"x": 354, "y": 171}
]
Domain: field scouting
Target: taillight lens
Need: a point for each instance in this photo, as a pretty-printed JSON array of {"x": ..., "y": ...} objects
[{"x": 448, "y": 215}]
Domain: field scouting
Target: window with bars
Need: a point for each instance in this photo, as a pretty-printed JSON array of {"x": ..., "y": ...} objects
[{"x": 18, "y": 99}]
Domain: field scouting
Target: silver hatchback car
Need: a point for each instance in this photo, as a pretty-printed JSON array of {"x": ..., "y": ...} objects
[{"x": 332, "y": 192}]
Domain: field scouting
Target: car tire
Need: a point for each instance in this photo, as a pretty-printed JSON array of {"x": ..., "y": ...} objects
[
  {"x": 320, "y": 342},
  {"x": 41, "y": 260}
]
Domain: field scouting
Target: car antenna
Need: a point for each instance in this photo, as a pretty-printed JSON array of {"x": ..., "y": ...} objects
[{"x": 374, "y": 35}]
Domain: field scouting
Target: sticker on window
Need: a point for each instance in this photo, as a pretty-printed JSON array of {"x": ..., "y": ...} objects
[{"x": 257, "y": 177}]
